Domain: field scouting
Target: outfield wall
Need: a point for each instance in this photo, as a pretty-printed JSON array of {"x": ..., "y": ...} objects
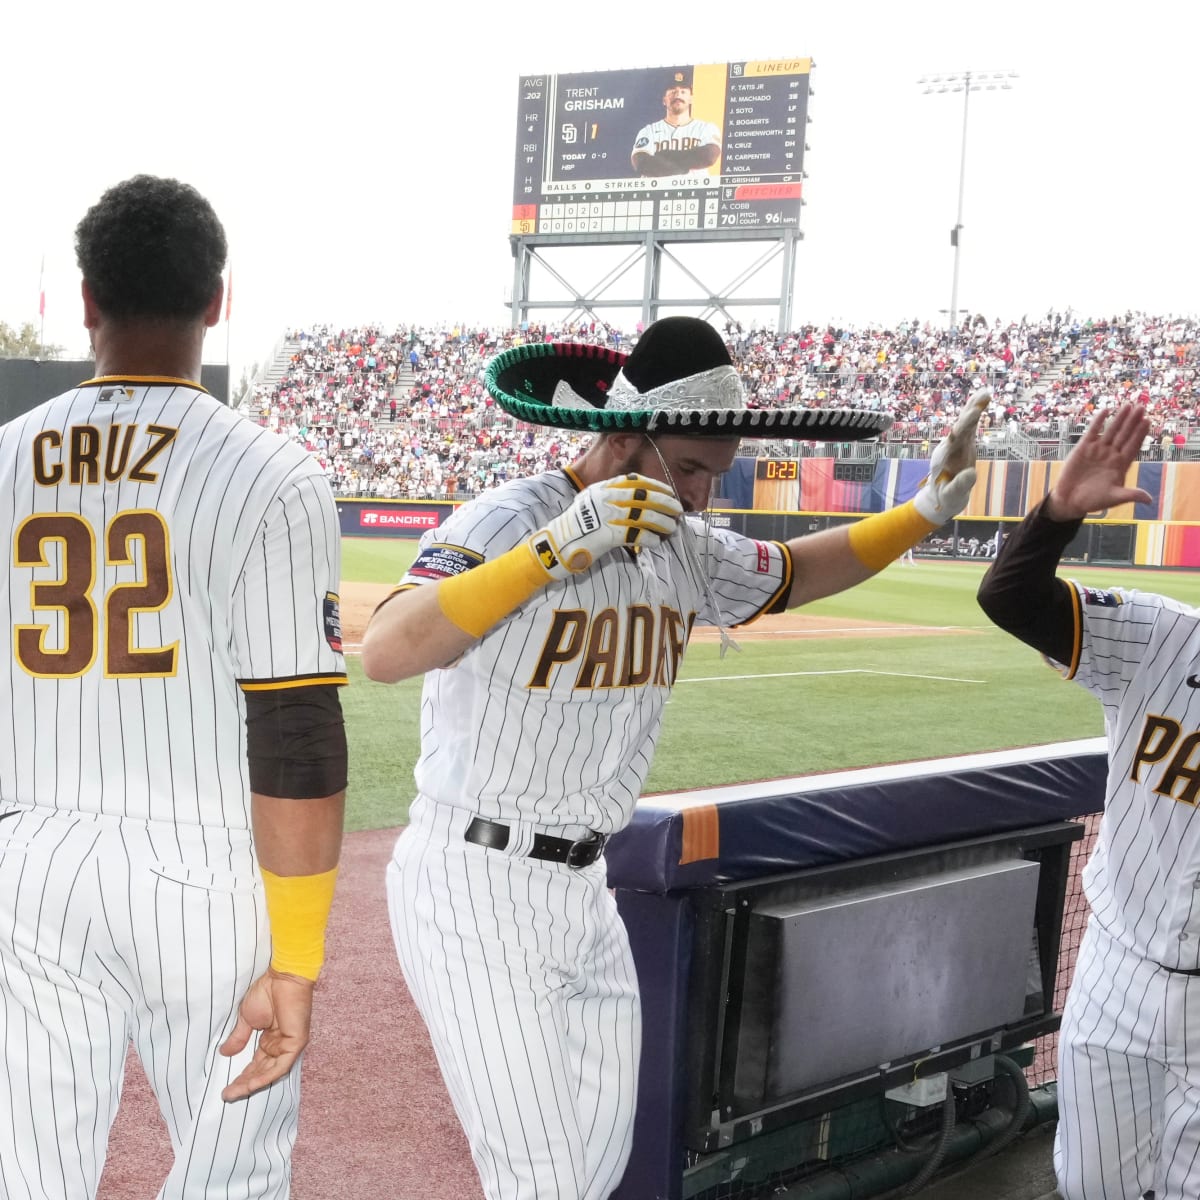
[
  {"x": 1100, "y": 542},
  {"x": 783, "y": 498},
  {"x": 1004, "y": 488}
]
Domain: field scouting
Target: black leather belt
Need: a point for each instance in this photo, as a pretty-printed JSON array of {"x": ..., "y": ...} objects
[{"x": 580, "y": 853}]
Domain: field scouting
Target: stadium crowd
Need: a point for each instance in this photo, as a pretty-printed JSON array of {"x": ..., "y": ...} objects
[{"x": 404, "y": 413}]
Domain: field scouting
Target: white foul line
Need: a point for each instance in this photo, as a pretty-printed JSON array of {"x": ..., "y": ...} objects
[
  {"x": 847, "y": 671},
  {"x": 355, "y": 647},
  {"x": 831, "y": 630}
]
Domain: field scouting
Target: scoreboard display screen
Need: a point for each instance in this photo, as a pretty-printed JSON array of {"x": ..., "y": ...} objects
[
  {"x": 776, "y": 468},
  {"x": 716, "y": 146}
]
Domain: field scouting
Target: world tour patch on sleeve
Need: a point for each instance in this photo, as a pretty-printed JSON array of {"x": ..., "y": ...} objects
[
  {"x": 443, "y": 562},
  {"x": 1100, "y": 599},
  {"x": 333, "y": 622}
]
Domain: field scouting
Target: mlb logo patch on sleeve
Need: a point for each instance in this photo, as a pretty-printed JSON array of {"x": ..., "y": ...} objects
[
  {"x": 333, "y": 622},
  {"x": 442, "y": 562},
  {"x": 1100, "y": 599}
]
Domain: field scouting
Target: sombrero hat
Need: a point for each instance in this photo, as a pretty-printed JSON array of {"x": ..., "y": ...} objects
[{"x": 678, "y": 379}]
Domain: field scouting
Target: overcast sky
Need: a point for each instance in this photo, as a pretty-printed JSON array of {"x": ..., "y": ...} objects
[{"x": 361, "y": 155}]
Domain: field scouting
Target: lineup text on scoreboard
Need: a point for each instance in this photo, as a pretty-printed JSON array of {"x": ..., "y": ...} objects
[{"x": 696, "y": 147}]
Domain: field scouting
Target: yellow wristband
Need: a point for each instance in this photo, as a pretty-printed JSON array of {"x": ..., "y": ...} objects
[
  {"x": 298, "y": 910},
  {"x": 477, "y": 599},
  {"x": 882, "y": 537}
]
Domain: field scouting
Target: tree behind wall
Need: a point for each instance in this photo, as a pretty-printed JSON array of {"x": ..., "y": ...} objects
[{"x": 23, "y": 343}]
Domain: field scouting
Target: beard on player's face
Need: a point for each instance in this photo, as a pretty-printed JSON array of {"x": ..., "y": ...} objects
[{"x": 693, "y": 485}]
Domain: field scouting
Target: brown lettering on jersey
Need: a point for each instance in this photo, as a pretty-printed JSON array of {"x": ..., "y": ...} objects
[
  {"x": 66, "y": 601},
  {"x": 1180, "y": 779},
  {"x": 647, "y": 643},
  {"x": 601, "y": 653},
  {"x": 152, "y": 593},
  {"x": 639, "y": 647},
  {"x": 116, "y": 456},
  {"x": 1159, "y": 734},
  {"x": 84, "y": 443},
  {"x": 1182, "y": 769},
  {"x": 47, "y": 473},
  {"x": 85, "y": 454},
  {"x": 163, "y": 436},
  {"x": 562, "y": 644},
  {"x": 671, "y": 640}
]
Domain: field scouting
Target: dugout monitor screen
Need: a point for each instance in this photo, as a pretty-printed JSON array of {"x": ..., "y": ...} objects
[{"x": 707, "y": 147}]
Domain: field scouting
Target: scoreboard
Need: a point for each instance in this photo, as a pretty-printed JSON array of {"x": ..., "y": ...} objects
[
  {"x": 776, "y": 468},
  {"x": 582, "y": 167}
]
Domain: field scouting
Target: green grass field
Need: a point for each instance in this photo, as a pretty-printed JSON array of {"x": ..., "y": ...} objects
[{"x": 798, "y": 705}]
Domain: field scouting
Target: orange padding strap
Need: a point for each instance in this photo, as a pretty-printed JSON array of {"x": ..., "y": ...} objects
[
  {"x": 298, "y": 910},
  {"x": 882, "y": 537},
  {"x": 481, "y": 597}
]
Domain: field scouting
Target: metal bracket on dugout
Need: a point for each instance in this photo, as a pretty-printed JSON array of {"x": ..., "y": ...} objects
[{"x": 810, "y": 942}]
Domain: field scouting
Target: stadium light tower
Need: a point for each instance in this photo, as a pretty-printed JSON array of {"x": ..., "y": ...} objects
[{"x": 965, "y": 82}]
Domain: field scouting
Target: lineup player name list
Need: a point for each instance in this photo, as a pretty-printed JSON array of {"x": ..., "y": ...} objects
[{"x": 762, "y": 119}]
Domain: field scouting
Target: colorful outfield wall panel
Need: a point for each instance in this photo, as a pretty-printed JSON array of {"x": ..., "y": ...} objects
[
  {"x": 1168, "y": 528},
  {"x": 1003, "y": 489}
]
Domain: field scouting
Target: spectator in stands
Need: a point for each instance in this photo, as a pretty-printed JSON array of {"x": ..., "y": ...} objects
[{"x": 1046, "y": 388}]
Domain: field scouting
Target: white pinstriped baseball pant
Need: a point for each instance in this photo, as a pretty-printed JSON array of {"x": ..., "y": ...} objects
[
  {"x": 523, "y": 974},
  {"x": 1128, "y": 1078},
  {"x": 112, "y": 930}
]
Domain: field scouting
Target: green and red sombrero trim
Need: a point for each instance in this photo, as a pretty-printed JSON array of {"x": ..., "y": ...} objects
[{"x": 523, "y": 381}]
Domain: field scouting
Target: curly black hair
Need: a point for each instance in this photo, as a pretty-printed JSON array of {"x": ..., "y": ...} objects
[{"x": 151, "y": 248}]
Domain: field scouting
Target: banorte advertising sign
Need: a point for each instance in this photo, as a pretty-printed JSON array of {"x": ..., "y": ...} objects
[{"x": 399, "y": 519}]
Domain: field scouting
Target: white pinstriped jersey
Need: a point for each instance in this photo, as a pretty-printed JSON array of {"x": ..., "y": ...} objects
[
  {"x": 553, "y": 716},
  {"x": 1139, "y": 654},
  {"x": 161, "y": 550},
  {"x": 662, "y": 135}
]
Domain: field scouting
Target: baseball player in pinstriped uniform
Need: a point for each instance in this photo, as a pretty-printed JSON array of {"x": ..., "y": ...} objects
[
  {"x": 171, "y": 724},
  {"x": 551, "y": 617},
  {"x": 1129, "y": 1050},
  {"x": 678, "y": 144}
]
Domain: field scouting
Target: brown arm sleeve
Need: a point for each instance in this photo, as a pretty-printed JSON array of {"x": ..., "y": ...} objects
[
  {"x": 1021, "y": 592},
  {"x": 296, "y": 742}
]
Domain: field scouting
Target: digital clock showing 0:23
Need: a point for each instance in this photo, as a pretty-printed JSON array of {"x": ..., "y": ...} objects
[{"x": 777, "y": 468}]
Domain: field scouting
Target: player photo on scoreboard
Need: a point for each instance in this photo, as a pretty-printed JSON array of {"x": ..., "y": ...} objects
[{"x": 645, "y": 123}]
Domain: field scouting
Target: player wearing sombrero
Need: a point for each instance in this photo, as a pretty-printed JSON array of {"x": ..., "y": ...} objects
[{"x": 551, "y": 616}]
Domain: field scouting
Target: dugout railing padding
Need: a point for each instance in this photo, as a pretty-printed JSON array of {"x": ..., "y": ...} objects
[{"x": 741, "y": 904}]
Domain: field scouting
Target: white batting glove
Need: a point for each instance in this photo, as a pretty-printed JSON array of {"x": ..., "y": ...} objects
[
  {"x": 952, "y": 467},
  {"x": 617, "y": 512}
]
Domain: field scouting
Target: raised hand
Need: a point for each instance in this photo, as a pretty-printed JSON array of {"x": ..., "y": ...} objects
[
  {"x": 952, "y": 467},
  {"x": 1093, "y": 477}
]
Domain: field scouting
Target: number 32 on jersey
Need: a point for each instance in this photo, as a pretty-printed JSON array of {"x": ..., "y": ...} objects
[{"x": 68, "y": 643}]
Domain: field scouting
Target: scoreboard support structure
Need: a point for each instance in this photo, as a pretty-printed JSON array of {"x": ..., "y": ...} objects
[{"x": 649, "y": 249}]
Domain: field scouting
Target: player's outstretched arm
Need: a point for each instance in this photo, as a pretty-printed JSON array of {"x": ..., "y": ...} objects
[
  {"x": 298, "y": 844},
  {"x": 835, "y": 559},
  {"x": 430, "y": 626},
  {"x": 1021, "y": 592},
  {"x": 1093, "y": 477}
]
